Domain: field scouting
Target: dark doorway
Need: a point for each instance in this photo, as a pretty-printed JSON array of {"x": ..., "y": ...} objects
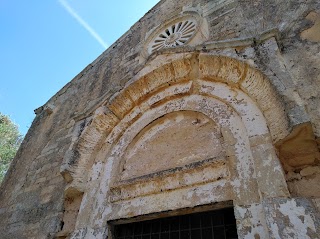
[{"x": 220, "y": 224}]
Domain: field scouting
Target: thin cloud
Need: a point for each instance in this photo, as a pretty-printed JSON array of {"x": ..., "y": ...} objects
[{"x": 83, "y": 23}]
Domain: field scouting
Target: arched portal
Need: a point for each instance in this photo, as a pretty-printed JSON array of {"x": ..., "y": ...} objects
[{"x": 195, "y": 96}]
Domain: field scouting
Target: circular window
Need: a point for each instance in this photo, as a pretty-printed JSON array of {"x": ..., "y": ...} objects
[{"x": 175, "y": 35}]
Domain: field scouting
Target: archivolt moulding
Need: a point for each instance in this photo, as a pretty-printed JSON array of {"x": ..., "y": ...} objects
[
  {"x": 109, "y": 120},
  {"x": 177, "y": 95}
]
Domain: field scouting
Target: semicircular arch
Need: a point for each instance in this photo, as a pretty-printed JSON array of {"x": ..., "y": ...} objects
[{"x": 229, "y": 80}]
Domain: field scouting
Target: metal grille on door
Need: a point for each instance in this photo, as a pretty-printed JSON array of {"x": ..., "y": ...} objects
[{"x": 219, "y": 224}]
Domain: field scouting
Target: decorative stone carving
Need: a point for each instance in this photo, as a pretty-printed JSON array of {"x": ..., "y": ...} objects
[
  {"x": 177, "y": 34},
  {"x": 200, "y": 84},
  {"x": 188, "y": 28},
  {"x": 122, "y": 110}
]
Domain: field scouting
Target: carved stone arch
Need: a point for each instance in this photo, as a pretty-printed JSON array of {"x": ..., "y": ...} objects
[
  {"x": 212, "y": 68},
  {"x": 242, "y": 164},
  {"x": 234, "y": 73},
  {"x": 252, "y": 119},
  {"x": 228, "y": 83},
  {"x": 225, "y": 116}
]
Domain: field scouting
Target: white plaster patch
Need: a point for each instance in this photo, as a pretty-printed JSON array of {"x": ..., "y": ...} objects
[
  {"x": 96, "y": 170},
  {"x": 242, "y": 104},
  {"x": 298, "y": 218},
  {"x": 172, "y": 90},
  {"x": 251, "y": 222}
]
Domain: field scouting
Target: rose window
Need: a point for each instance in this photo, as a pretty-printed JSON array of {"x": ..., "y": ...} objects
[{"x": 175, "y": 35}]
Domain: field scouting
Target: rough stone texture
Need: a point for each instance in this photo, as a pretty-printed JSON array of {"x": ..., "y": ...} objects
[
  {"x": 251, "y": 222},
  {"x": 163, "y": 138},
  {"x": 292, "y": 218},
  {"x": 251, "y": 74},
  {"x": 312, "y": 34},
  {"x": 299, "y": 148},
  {"x": 299, "y": 155}
]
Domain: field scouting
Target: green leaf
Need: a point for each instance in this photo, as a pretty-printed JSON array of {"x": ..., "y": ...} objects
[{"x": 10, "y": 140}]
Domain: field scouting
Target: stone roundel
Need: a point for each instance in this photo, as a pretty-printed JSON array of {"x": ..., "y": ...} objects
[{"x": 176, "y": 34}]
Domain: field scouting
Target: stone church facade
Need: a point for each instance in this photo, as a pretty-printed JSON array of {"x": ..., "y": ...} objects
[{"x": 202, "y": 106}]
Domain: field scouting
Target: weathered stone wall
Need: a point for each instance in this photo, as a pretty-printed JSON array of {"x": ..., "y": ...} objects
[{"x": 280, "y": 39}]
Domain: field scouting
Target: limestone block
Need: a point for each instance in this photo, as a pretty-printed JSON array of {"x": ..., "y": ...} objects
[
  {"x": 181, "y": 68},
  {"x": 305, "y": 187},
  {"x": 173, "y": 179},
  {"x": 164, "y": 59},
  {"x": 299, "y": 148},
  {"x": 254, "y": 84},
  {"x": 71, "y": 210},
  {"x": 138, "y": 89},
  {"x": 260, "y": 89},
  {"x": 185, "y": 197},
  {"x": 293, "y": 176},
  {"x": 160, "y": 76},
  {"x": 231, "y": 70},
  {"x": 226, "y": 69},
  {"x": 308, "y": 171},
  {"x": 208, "y": 66},
  {"x": 121, "y": 104},
  {"x": 270, "y": 176},
  {"x": 313, "y": 33},
  {"x": 175, "y": 140}
]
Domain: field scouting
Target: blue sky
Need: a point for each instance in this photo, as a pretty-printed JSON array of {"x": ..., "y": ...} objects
[{"x": 45, "y": 43}]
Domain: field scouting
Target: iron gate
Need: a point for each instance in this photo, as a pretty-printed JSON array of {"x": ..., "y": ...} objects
[{"x": 219, "y": 224}]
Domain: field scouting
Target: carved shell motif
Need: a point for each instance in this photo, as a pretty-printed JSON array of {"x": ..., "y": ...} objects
[{"x": 175, "y": 35}]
